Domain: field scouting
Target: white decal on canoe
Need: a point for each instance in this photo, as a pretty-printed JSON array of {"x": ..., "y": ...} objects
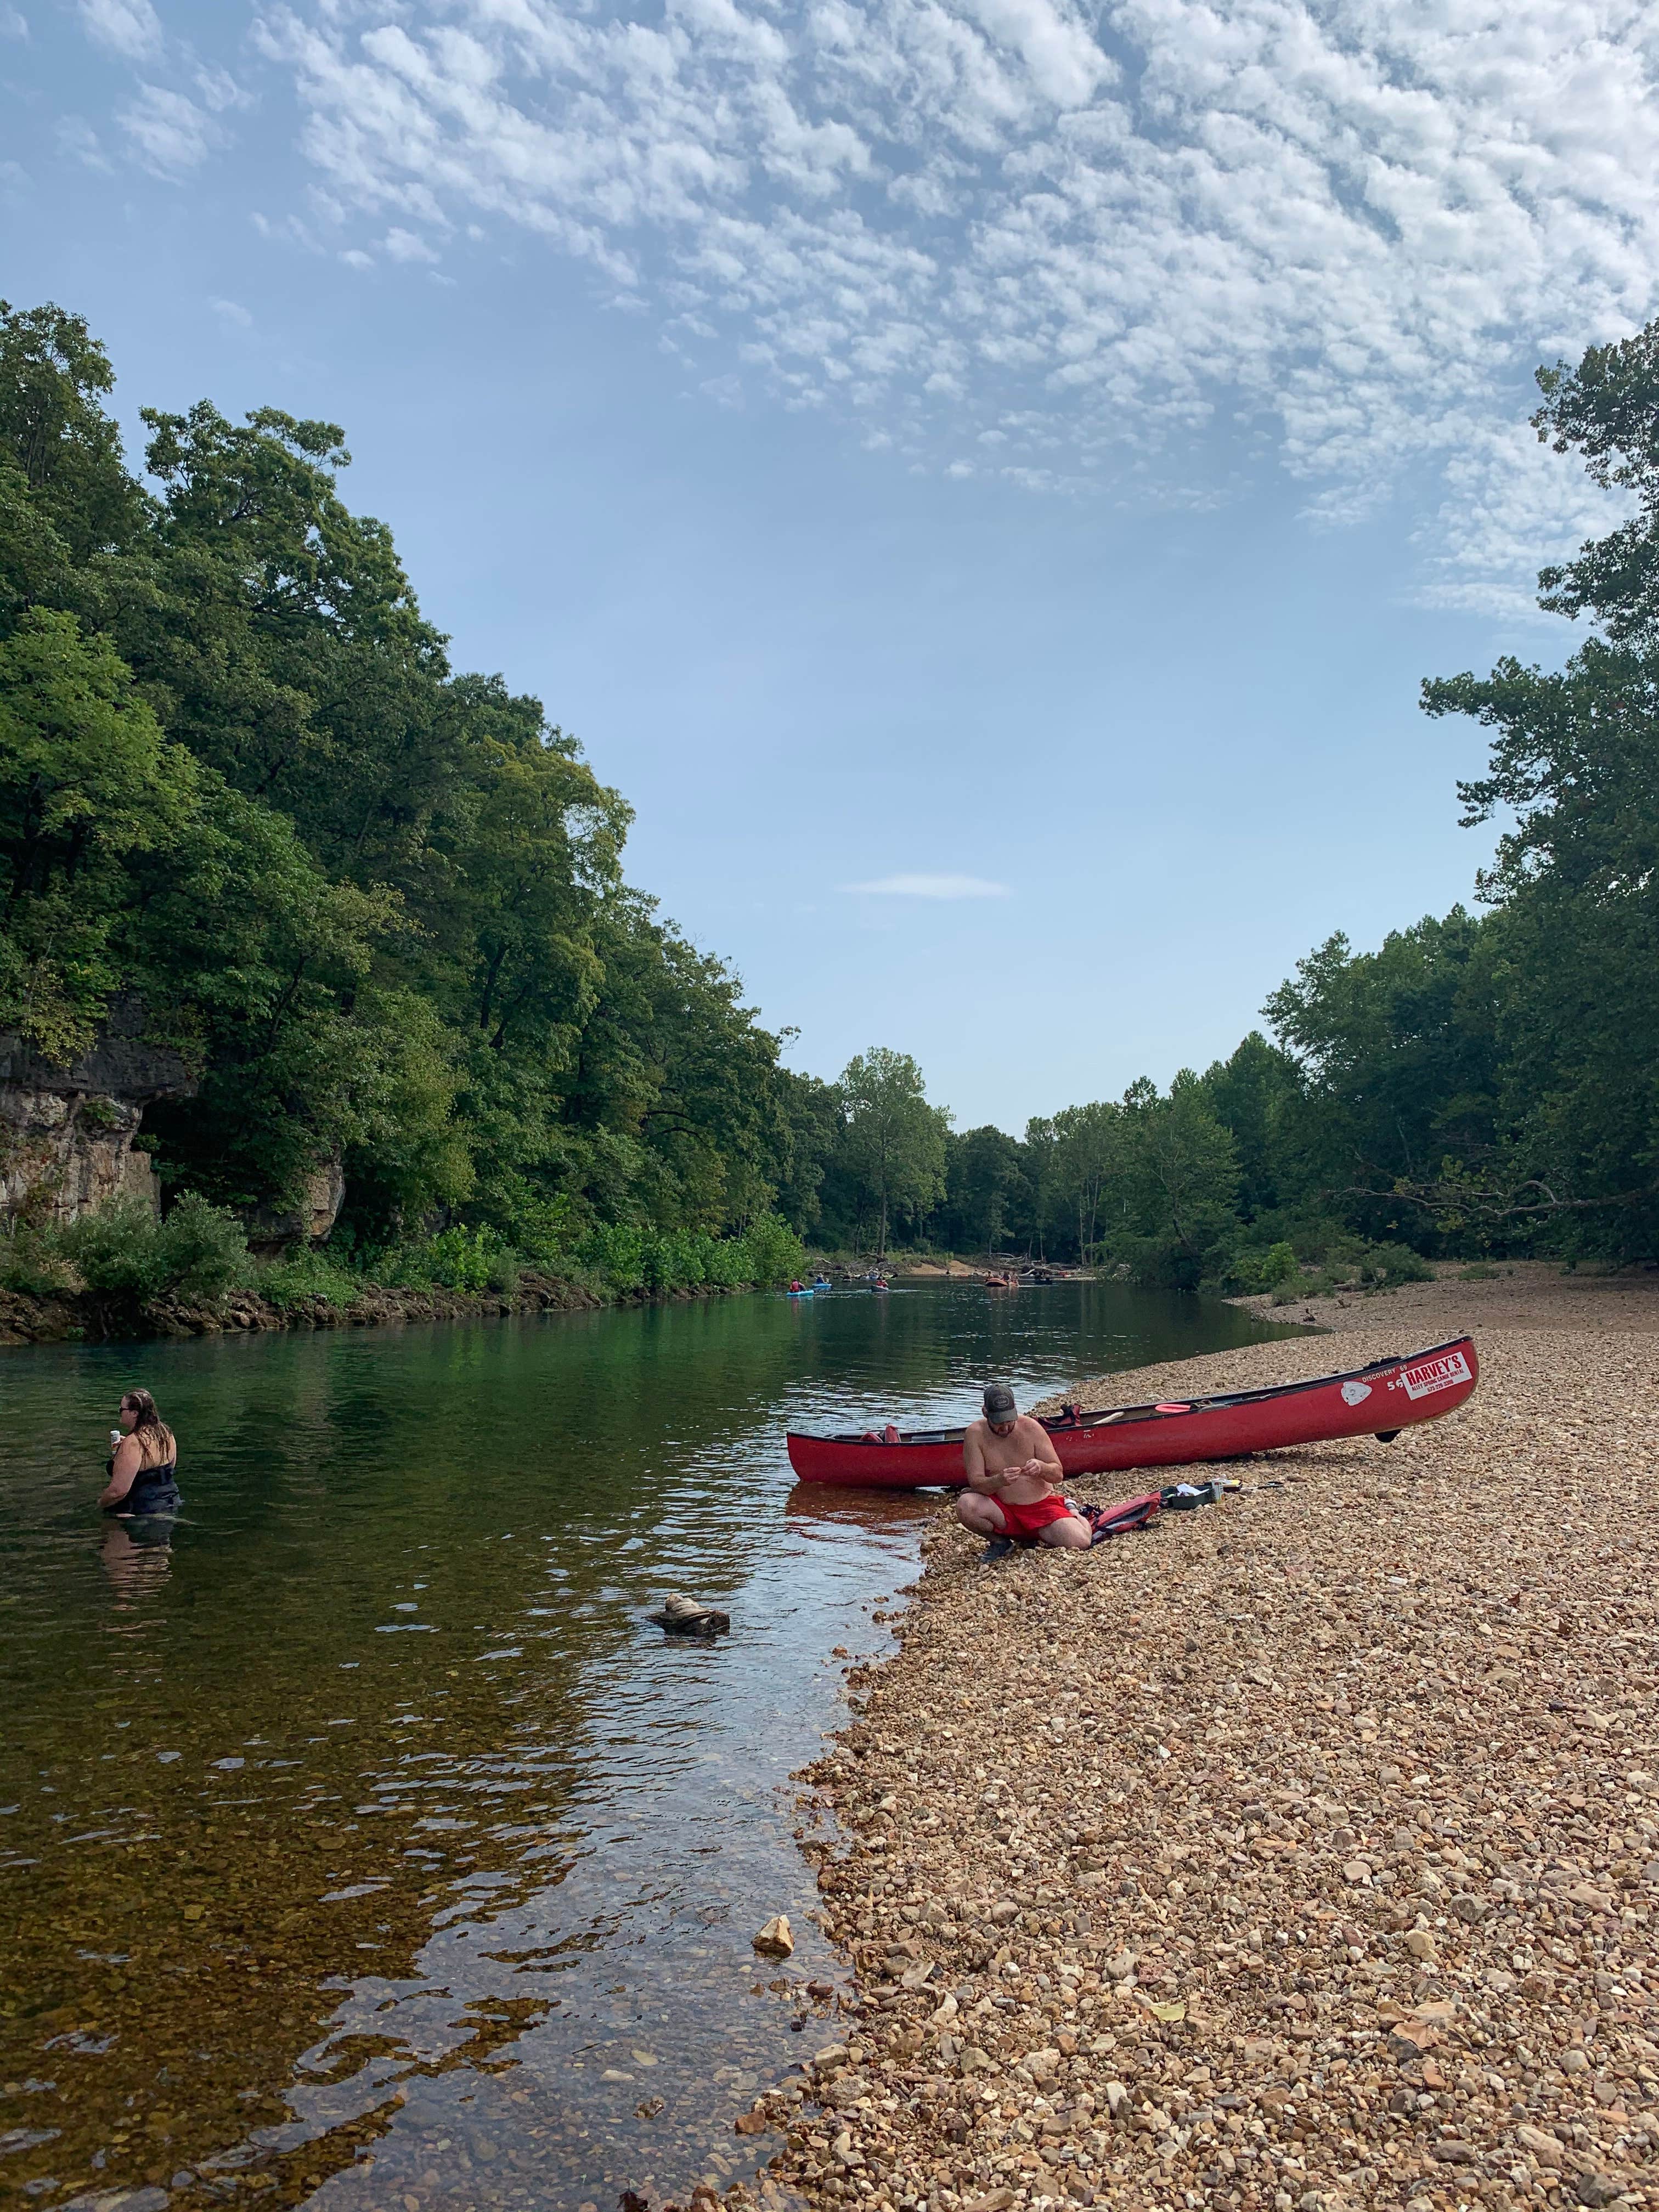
[
  {"x": 1429, "y": 1376},
  {"x": 1355, "y": 1394}
]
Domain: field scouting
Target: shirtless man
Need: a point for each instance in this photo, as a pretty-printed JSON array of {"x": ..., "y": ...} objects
[{"x": 1013, "y": 1471}]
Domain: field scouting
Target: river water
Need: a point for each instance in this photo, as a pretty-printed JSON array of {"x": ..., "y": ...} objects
[{"x": 366, "y": 1841}]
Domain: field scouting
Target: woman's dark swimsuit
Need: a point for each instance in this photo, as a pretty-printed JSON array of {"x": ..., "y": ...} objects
[{"x": 154, "y": 1490}]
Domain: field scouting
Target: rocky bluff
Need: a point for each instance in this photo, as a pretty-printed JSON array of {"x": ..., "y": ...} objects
[{"x": 69, "y": 1135}]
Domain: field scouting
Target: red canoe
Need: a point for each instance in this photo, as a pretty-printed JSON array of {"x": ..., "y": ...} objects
[{"x": 1379, "y": 1401}]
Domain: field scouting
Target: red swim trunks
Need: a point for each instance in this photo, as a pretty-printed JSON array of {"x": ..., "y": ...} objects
[{"x": 1029, "y": 1520}]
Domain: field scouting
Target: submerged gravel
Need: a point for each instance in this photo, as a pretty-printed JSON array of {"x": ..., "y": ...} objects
[{"x": 1302, "y": 1851}]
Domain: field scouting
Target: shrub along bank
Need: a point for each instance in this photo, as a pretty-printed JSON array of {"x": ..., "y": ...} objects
[{"x": 123, "y": 1273}]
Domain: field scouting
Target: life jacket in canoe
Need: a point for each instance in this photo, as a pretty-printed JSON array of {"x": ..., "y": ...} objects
[{"x": 1107, "y": 1520}]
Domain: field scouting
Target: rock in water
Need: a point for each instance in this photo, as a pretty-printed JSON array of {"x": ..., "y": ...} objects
[
  {"x": 683, "y": 1616},
  {"x": 777, "y": 1940}
]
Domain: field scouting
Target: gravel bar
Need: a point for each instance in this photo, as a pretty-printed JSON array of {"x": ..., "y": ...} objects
[{"x": 1302, "y": 1851}]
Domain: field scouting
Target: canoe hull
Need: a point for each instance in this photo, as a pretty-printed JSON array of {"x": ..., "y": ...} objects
[{"x": 1390, "y": 1395}]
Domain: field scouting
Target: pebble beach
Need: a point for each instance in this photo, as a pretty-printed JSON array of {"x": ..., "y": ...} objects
[{"x": 1301, "y": 1851}]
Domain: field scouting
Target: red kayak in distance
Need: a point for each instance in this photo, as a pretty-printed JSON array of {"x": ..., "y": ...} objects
[{"x": 1379, "y": 1401}]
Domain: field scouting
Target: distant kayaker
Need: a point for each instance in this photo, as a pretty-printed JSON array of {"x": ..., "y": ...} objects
[
  {"x": 1013, "y": 1471},
  {"x": 144, "y": 1462}
]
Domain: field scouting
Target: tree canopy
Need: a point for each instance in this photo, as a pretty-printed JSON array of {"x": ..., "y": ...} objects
[
  {"x": 380, "y": 905},
  {"x": 893, "y": 1147}
]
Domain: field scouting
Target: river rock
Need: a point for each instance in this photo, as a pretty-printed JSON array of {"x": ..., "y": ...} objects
[
  {"x": 684, "y": 1616},
  {"x": 1544, "y": 2147},
  {"x": 777, "y": 1939},
  {"x": 1263, "y": 1707}
]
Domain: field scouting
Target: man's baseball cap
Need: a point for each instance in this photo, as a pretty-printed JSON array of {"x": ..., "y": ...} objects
[{"x": 999, "y": 1408}]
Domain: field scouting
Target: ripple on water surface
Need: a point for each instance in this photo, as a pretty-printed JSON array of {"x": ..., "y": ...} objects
[{"x": 364, "y": 1839}]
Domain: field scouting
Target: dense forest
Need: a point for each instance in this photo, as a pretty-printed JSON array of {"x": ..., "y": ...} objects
[
  {"x": 378, "y": 905},
  {"x": 1484, "y": 1084},
  {"x": 376, "y": 902}
]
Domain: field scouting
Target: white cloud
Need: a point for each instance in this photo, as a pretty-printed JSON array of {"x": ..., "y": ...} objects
[
  {"x": 1144, "y": 250},
  {"x": 404, "y": 246},
  {"x": 131, "y": 28},
  {"x": 219, "y": 88},
  {"x": 931, "y": 887},
  {"x": 168, "y": 133},
  {"x": 13, "y": 24},
  {"x": 231, "y": 311},
  {"x": 78, "y": 140}
]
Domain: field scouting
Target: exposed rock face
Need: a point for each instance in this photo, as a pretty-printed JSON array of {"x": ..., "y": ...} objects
[
  {"x": 68, "y": 1134},
  {"x": 309, "y": 1220}
]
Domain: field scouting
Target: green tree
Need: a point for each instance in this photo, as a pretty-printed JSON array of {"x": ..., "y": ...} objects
[
  {"x": 1397, "y": 1050},
  {"x": 54, "y": 433},
  {"x": 895, "y": 1139},
  {"x": 1040, "y": 1159},
  {"x": 379, "y": 904},
  {"x": 1575, "y": 939},
  {"x": 86, "y": 781},
  {"x": 809, "y": 1119},
  {"x": 985, "y": 1183},
  {"x": 1088, "y": 1156},
  {"x": 1178, "y": 1183},
  {"x": 1257, "y": 1095}
]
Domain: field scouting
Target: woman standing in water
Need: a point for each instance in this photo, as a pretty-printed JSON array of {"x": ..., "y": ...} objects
[{"x": 143, "y": 1465}]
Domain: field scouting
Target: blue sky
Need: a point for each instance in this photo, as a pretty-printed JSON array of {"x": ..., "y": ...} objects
[{"x": 984, "y": 478}]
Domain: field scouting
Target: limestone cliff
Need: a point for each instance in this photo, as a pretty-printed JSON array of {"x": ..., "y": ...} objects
[{"x": 68, "y": 1135}]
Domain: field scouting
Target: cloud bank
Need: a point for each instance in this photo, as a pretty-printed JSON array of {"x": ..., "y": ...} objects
[{"x": 1142, "y": 249}]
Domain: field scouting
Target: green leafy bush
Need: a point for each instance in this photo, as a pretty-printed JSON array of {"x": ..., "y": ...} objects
[
  {"x": 1358, "y": 1266},
  {"x": 624, "y": 1258},
  {"x": 116, "y": 1249},
  {"x": 615, "y": 1252},
  {"x": 1383, "y": 1267},
  {"x": 1254, "y": 1269},
  {"x": 1279, "y": 1265},
  {"x": 771, "y": 1252},
  {"x": 31, "y": 1262},
  {"x": 199, "y": 1251},
  {"x": 302, "y": 1275},
  {"x": 456, "y": 1258}
]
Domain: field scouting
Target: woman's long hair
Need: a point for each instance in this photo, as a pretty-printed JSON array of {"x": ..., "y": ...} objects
[{"x": 155, "y": 1439}]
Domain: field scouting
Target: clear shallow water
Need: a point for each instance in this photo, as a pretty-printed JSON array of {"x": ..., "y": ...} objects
[{"x": 366, "y": 1841}]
